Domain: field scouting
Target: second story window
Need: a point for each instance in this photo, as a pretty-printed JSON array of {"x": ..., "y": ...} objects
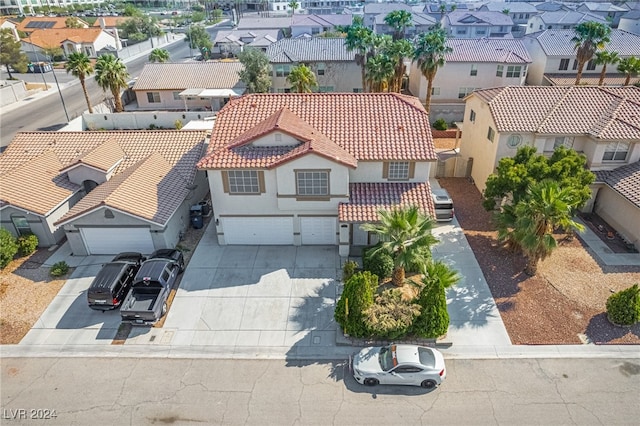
[
  {"x": 312, "y": 182},
  {"x": 282, "y": 70},
  {"x": 176, "y": 96},
  {"x": 491, "y": 134},
  {"x": 499, "y": 70},
  {"x": 474, "y": 70},
  {"x": 320, "y": 68},
  {"x": 513, "y": 71},
  {"x": 397, "y": 170},
  {"x": 242, "y": 182},
  {"x": 591, "y": 65},
  {"x": 472, "y": 116},
  {"x": 153, "y": 97},
  {"x": 616, "y": 151},
  {"x": 564, "y": 65}
]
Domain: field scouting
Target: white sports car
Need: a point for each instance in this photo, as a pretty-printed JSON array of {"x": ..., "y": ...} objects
[{"x": 399, "y": 365}]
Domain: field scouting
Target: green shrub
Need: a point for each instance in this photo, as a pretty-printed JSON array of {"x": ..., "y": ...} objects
[
  {"x": 356, "y": 298},
  {"x": 27, "y": 244},
  {"x": 390, "y": 317},
  {"x": 178, "y": 124},
  {"x": 433, "y": 320},
  {"x": 8, "y": 247},
  {"x": 421, "y": 258},
  {"x": 440, "y": 124},
  {"x": 59, "y": 269},
  {"x": 348, "y": 269},
  {"x": 378, "y": 262},
  {"x": 623, "y": 307}
]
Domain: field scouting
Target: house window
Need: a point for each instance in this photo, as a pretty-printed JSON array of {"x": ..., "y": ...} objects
[
  {"x": 499, "y": 70},
  {"x": 243, "y": 182},
  {"x": 320, "y": 68},
  {"x": 616, "y": 151},
  {"x": 435, "y": 91},
  {"x": 176, "y": 96},
  {"x": 325, "y": 89},
  {"x": 21, "y": 225},
  {"x": 472, "y": 116},
  {"x": 282, "y": 70},
  {"x": 564, "y": 65},
  {"x": 591, "y": 65},
  {"x": 315, "y": 30},
  {"x": 513, "y": 71},
  {"x": 514, "y": 141},
  {"x": 491, "y": 134},
  {"x": 575, "y": 64},
  {"x": 464, "y": 91},
  {"x": 153, "y": 97},
  {"x": 280, "y": 90},
  {"x": 312, "y": 182},
  {"x": 88, "y": 51},
  {"x": 461, "y": 31},
  {"x": 357, "y": 90},
  {"x": 481, "y": 31},
  {"x": 474, "y": 70},
  {"x": 398, "y": 170}
]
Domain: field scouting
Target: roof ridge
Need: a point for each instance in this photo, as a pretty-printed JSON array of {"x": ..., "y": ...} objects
[{"x": 550, "y": 112}]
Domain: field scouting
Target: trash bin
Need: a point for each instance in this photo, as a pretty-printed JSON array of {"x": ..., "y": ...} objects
[
  {"x": 196, "y": 216},
  {"x": 205, "y": 207}
]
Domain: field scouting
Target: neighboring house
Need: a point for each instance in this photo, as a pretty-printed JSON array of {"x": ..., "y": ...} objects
[
  {"x": 554, "y": 57},
  {"x": 33, "y": 23},
  {"x": 600, "y": 122},
  {"x": 608, "y": 11},
  {"x": 472, "y": 64},
  {"x": 188, "y": 86},
  {"x": 310, "y": 168},
  {"x": 106, "y": 191},
  {"x": 230, "y": 43},
  {"x": 630, "y": 22},
  {"x": 550, "y": 6},
  {"x": 464, "y": 24},
  {"x": 10, "y": 25},
  {"x": 334, "y": 66},
  {"x": 433, "y": 9},
  {"x": 520, "y": 12},
  {"x": 562, "y": 20},
  {"x": 264, "y": 23},
  {"x": 374, "y": 14},
  {"x": 317, "y": 24},
  {"x": 325, "y": 7},
  {"x": 86, "y": 40}
]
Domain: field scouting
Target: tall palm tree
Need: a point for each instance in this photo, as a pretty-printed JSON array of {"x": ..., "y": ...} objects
[
  {"x": 604, "y": 58},
  {"x": 359, "y": 39},
  {"x": 111, "y": 74},
  {"x": 399, "y": 20},
  {"x": 159, "y": 55},
  {"x": 293, "y": 4},
  {"x": 630, "y": 67},
  {"x": 398, "y": 51},
  {"x": 79, "y": 65},
  {"x": 380, "y": 72},
  {"x": 429, "y": 54},
  {"x": 590, "y": 36},
  {"x": 546, "y": 207},
  {"x": 405, "y": 233},
  {"x": 302, "y": 79}
]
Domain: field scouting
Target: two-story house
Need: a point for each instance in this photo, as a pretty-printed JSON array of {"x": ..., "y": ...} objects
[
  {"x": 561, "y": 20},
  {"x": 606, "y": 10},
  {"x": 334, "y": 66},
  {"x": 554, "y": 58},
  {"x": 520, "y": 12},
  {"x": 375, "y": 14},
  {"x": 603, "y": 123},
  {"x": 325, "y": 7},
  {"x": 478, "y": 24},
  {"x": 230, "y": 43},
  {"x": 314, "y": 25},
  {"x": 472, "y": 64},
  {"x": 309, "y": 168}
]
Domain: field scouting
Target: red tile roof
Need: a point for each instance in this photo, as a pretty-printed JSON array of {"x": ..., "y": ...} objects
[
  {"x": 365, "y": 126},
  {"x": 366, "y": 199}
]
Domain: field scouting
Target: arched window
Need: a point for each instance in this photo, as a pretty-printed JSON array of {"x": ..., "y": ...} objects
[{"x": 89, "y": 185}]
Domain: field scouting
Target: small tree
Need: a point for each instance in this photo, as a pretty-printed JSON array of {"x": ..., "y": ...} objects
[
  {"x": 8, "y": 247},
  {"x": 72, "y": 22},
  {"x": 356, "y": 298},
  {"x": 605, "y": 58},
  {"x": 27, "y": 244},
  {"x": 433, "y": 320},
  {"x": 256, "y": 74},
  {"x": 623, "y": 307},
  {"x": 10, "y": 54},
  {"x": 302, "y": 79},
  {"x": 630, "y": 67},
  {"x": 198, "y": 37},
  {"x": 159, "y": 55}
]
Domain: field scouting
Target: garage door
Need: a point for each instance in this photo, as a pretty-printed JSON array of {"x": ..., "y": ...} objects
[
  {"x": 258, "y": 230},
  {"x": 318, "y": 230},
  {"x": 116, "y": 240}
]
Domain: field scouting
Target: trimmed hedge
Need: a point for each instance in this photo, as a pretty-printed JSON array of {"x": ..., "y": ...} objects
[
  {"x": 623, "y": 307},
  {"x": 8, "y": 247},
  {"x": 356, "y": 298}
]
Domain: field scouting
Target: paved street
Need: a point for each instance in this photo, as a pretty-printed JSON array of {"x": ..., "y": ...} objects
[{"x": 128, "y": 391}]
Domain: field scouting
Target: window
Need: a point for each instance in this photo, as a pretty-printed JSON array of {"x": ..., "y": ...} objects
[
  {"x": 591, "y": 65},
  {"x": 564, "y": 65},
  {"x": 513, "y": 71},
  {"x": 243, "y": 182},
  {"x": 312, "y": 182},
  {"x": 280, "y": 90},
  {"x": 616, "y": 151},
  {"x": 474, "y": 70},
  {"x": 514, "y": 141},
  {"x": 320, "y": 68},
  {"x": 357, "y": 90},
  {"x": 282, "y": 70},
  {"x": 407, "y": 369},
  {"x": 499, "y": 70},
  {"x": 325, "y": 89},
  {"x": 575, "y": 64},
  {"x": 398, "y": 170},
  {"x": 559, "y": 141},
  {"x": 21, "y": 225},
  {"x": 491, "y": 134},
  {"x": 481, "y": 31},
  {"x": 153, "y": 97},
  {"x": 315, "y": 30},
  {"x": 461, "y": 31},
  {"x": 464, "y": 91},
  {"x": 435, "y": 91},
  {"x": 176, "y": 96},
  {"x": 472, "y": 116}
]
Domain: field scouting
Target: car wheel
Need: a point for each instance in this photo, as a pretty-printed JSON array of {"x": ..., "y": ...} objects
[
  {"x": 428, "y": 384},
  {"x": 164, "y": 308},
  {"x": 371, "y": 382}
]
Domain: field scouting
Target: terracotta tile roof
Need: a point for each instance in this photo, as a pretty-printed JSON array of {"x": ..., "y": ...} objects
[
  {"x": 498, "y": 50},
  {"x": 309, "y": 49},
  {"x": 321, "y": 20},
  {"x": 190, "y": 75},
  {"x": 366, "y": 199},
  {"x": 603, "y": 112},
  {"x": 103, "y": 157},
  {"x": 180, "y": 149},
  {"x": 625, "y": 180},
  {"x": 558, "y": 42},
  {"x": 31, "y": 23},
  {"x": 368, "y": 126},
  {"x": 55, "y": 37},
  {"x": 589, "y": 79},
  {"x": 151, "y": 189}
]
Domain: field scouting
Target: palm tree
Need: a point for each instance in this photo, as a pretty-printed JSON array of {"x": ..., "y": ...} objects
[
  {"x": 159, "y": 55},
  {"x": 605, "y": 58},
  {"x": 302, "y": 78},
  {"x": 380, "y": 72},
  {"x": 405, "y": 233},
  {"x": 630, "y": 67},
  {"x": 111, "y": 74},
  {"x": 398, "y": 51},
  {"x": 546, "y": 207},
  {"x": 359, "y": 39},
  {"x": 399, "y": 20},
  {"x": 590, "y": 36},
  {"x": 429, "y": 53},
  {"x": 293, "y": 5},
  {"x": 79, "y": 65}
]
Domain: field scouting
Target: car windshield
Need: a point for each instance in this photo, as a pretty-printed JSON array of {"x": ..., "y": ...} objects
[{"x": 386, "y": 358}]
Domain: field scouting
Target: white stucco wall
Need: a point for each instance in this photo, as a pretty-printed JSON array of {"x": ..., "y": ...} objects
[
  {"x": 629, "y": 25},
  {"x": 619, "y": 213},
  {"x": 167, "y": 101},
  {"x": 371, "y": 171},
  {"x": 342, "y": 76}
]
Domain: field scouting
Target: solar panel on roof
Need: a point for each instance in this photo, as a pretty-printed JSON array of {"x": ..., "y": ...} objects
[{"x": 41, "y": 24}]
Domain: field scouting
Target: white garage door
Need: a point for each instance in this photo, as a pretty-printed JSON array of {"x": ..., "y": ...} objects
[
  {"x": 318, "y": 230},
  {"x": 258, "y": 230},
  {"x": 116, "y": 240}
]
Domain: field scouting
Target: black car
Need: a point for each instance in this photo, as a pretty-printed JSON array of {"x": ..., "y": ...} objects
[
  {"x": 109, "y": 288},
  {"x": 171, "y": 254}
]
